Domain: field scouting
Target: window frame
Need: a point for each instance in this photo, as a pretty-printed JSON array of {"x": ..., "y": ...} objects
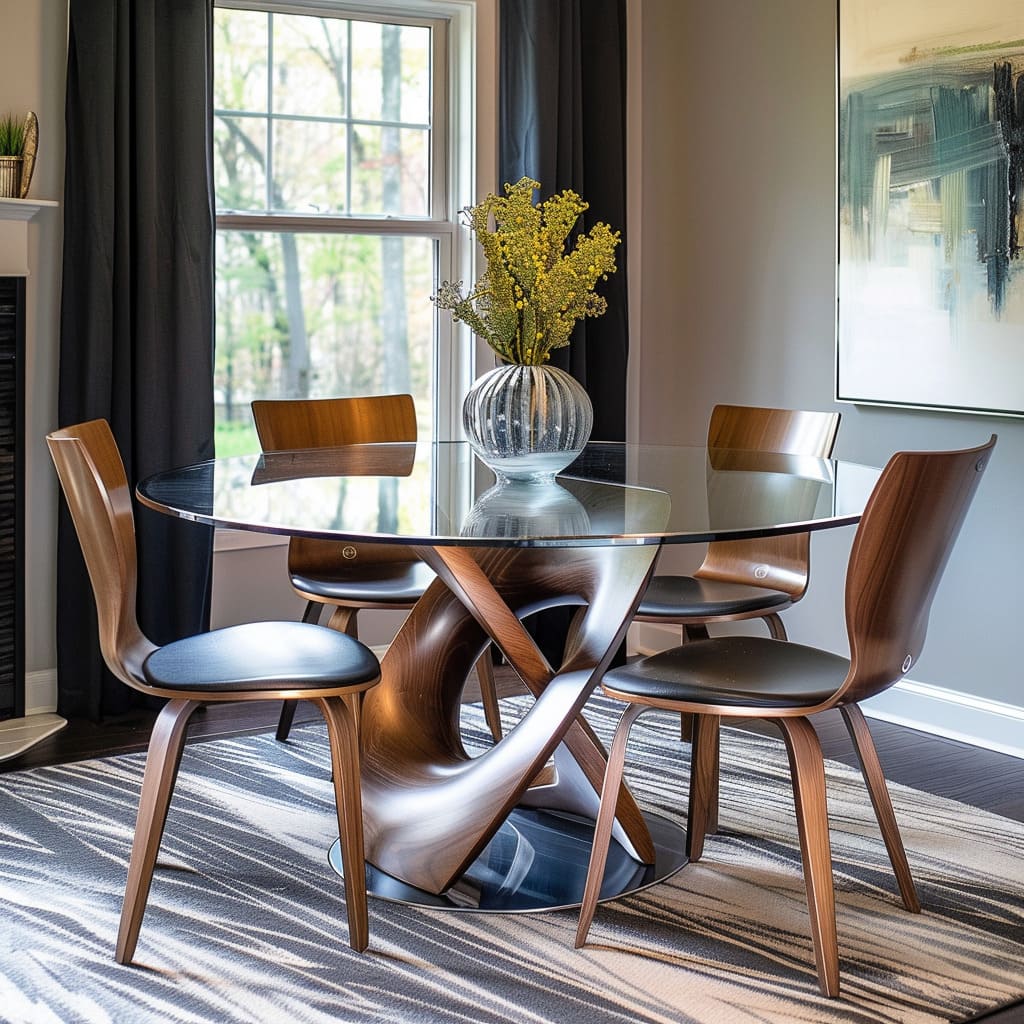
[{"x": 453, "y": 158}]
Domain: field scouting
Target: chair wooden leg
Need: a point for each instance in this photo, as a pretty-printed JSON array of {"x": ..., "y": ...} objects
[
  {"x": 605, "y": 821},
  {"x": 312, "y": 612},
  {"x": 345, "y": 620},
  {"x": 342, "y": 717},
  {"x": 871, "y": 768},
  {"x": 284, "y": 722},
  {"x": 703, "y": 785},
  {"x": 686, "y": 720},
  {"x": 489, "y": 692},
  {"x": 808, "y": 769},
  {"x": 775, "y": 627},
  {"x": 165, "y": 746}
]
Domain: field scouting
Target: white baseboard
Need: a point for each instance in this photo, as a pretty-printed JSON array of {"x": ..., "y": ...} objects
[
  {"x": 990, "y": 724},
  {"x": 957, "y": 716},
  {"x": 41, "y": 692}
]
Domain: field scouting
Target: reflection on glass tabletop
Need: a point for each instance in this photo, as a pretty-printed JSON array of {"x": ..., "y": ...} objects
[{"x": 440, "y": 493}]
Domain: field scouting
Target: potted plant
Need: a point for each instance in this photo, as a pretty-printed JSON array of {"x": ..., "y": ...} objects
[
  {"x": 526, "y": 418},
  {"x": 12, "y": 146},
  {"x": 18, "y": 142}
]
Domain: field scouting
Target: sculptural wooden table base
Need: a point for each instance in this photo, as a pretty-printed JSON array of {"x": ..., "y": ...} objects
[{"x": 430, "y": 809}]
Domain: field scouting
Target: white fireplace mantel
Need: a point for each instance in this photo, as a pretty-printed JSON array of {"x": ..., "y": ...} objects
[{"x": 14, "y": 217}]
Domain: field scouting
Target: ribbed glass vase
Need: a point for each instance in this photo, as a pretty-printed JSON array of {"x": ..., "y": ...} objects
[{"x": 527, "y": 422}]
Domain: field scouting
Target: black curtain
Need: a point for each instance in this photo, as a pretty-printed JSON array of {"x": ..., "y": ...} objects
[
  {"x": 562, "y": 122},
  {"x": 136, "y": 332}
]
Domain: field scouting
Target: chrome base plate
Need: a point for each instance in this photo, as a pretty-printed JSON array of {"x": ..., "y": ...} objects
[{"x": 537, "y": 861}]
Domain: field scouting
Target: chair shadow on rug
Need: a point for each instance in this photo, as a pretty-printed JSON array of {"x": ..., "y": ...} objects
[
  {"x": 260, "y": 661},
  {"x": 898, "y": 556}
]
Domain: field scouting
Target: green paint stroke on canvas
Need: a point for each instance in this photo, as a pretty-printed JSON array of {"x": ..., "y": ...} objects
[{"x": 916, "y": 54}]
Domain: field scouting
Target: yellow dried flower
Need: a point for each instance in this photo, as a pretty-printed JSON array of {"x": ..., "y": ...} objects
[{"x": 530, "y": 298}]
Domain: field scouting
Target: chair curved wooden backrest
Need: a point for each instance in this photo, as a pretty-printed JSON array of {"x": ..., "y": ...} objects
[
  {"x": 903, "y": 543},
  {"x": 288, "y": 424},
  {"x": 99, "y": 498},
  {"x": 906, "y": 533},
  {"x": 336, "y": 423},
  {"x": 264, "y": 661},
  {"x": 778, "y": 563}
]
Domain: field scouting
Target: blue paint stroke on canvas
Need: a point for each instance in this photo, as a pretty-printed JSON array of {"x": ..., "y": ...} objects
[{"x": 943, "y": 142}]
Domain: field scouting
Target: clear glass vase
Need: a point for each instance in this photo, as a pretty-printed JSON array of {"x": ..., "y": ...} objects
[{"x": 527, "y": 422}]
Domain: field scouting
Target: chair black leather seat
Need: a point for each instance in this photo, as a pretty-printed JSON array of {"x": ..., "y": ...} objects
[
  {"x": 691, "y": 597},
  {"x": 733, "y": 671},
  {"x": 253, "y": 662},
  {"x": 752, "y": 578},
  {"x": 262, "y": 656},
  {"x": 908, "y": 529},
  {"x": 349, "y": 577},
  {"x": 396, "y": 583}
]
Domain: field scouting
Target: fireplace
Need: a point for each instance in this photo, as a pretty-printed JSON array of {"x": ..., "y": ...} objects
[
  {"x": 12, "y": 493},
  {"x": 18, "y": 730}
]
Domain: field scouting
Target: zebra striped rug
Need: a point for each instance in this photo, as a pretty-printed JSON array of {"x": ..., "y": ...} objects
[{"x": 246, "y": 920}]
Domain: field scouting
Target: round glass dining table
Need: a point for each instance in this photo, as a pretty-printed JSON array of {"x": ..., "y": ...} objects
[{"x": 508, "y": 827}]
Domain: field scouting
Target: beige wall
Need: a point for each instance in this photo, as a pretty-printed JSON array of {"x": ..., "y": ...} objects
[
  {"x": 33, "y": 58},
  {"x": 737, "y": 296},
  {"x": 32, "y": 69},
  {"x": 732, "y": 247}
]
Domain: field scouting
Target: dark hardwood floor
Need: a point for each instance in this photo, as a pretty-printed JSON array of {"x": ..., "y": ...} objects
[{"x": 981, "y": 778}]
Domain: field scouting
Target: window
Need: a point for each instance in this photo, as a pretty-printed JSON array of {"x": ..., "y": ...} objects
[{"x": 336, "y": 187}]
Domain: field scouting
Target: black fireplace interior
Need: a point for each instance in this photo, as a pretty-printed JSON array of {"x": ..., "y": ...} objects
[{"x": 12, "y": 375}]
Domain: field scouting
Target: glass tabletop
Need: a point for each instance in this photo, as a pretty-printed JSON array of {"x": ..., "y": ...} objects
[{"x": 440, "y": 494}]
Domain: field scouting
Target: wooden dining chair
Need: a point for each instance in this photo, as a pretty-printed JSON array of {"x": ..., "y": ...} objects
[
  {"x": 350, "y": 577},
  {"x": 745, "y": 579},
  {"x": 753, "y": 578},
  {"x": 259, "y": 661},
  {"x": 898, "y": 555}
]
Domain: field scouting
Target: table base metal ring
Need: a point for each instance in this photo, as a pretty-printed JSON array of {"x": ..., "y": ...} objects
[{"x": 537, "y": 861}]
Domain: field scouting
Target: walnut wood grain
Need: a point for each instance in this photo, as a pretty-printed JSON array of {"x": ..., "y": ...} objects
[
  {"x": 774, "y": 563},
  {"x": 807, "y": 767},
  {"x": 94, "y": 483},
  {"x": 610, "y": 791},
  {"x": 430, "y": 809},
  {"x": 284, "y": 425},
  {"x": 703, "y": 797},
  {"x": 779, "y": 564},
  {"x": 903, "y": 542},
  {"x": 874, "y": 778},
  {"x": 342, "y": 716},
  {"x": 359, "y": 436},
  {"x": 162, "y": 761},
  {"x": 337, "y": 423},
  {"x": 901, "y": 548},
  {"x": 377, "y": 459}
]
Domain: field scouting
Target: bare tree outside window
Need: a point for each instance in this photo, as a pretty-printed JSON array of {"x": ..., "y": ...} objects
[{"x": 324, "y": 143}]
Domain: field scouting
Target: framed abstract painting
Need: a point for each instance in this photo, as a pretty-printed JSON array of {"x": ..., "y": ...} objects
[{"x": 931, "y": 182}]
